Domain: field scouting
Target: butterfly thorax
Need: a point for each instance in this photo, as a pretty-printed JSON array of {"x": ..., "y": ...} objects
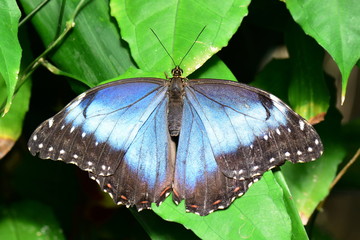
[{"x": 176, "y": 94}]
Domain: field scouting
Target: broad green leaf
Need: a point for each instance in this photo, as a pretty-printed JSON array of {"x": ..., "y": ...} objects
[
  {"x": 335, "y": 26},
  {"x": 10, "y": 50},
  {"x": 28, "y": 220},
  {"x": 177, "y": 24},
  {"x": 308, "y": 94},
  {"x": 11, "y": 124},
  {"x": 93, "y": 51}
]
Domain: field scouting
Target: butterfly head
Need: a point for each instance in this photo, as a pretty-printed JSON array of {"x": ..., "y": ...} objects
[{"x": 177, "y": 72}]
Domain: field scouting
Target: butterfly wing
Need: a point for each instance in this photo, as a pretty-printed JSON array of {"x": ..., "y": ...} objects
[
  {"x": 231, "y": 134},
  {"x": 145, "y": 174},
  {"x": 107, "y": 131},
  {"x": 198, "y": 180},
  {"x": 250, "y": 131}
]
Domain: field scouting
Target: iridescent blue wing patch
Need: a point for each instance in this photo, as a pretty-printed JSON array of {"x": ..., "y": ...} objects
[
  {"x": 111, "y": 131},
  {"x": 249, "y": 130},
  {"x": 198, "y": 179},
  {"x": 145, "y": 173}
]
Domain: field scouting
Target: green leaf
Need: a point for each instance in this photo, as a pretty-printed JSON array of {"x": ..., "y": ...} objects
[
  {"x": 28, "y": 220},
  {"x": 177, "y": 24},
  {"x": 308, "y": 93},
  {"x": 93, "y": 51},
  {"x": 11, "y": 124},
  {"x": 213, "y": 68},
  {"x": 334, "y": 25},
  {"x": 10, "y": 50}
]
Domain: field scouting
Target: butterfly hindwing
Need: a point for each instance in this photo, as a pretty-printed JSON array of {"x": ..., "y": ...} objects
[
  {"x": 249, "y": 130},
  {"x": 108, "y": 131},
  {"x": 198, "y": 179}
]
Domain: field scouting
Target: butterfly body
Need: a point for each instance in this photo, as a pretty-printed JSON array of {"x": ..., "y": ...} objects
[
  {"x": 176, "y": 95},
  {"x": 228, "y": 134}
]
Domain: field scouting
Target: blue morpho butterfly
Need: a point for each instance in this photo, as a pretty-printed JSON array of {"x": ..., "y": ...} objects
[{"x": 228, "y": 134}]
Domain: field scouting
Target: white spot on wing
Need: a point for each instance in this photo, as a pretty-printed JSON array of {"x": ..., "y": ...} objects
[
  {"x": 51, "y": 149},
  {"x": 302, "y": 125},
  {"x": 278, "y": 131},
  {"x": 272, "y": 160},
  {"x": 289, "y": 130},
  {"x": 83, "y": 134},
  {"x": 90, "y": 163},
  {"x": 75, "y": 156},
  {"x": 316, "y": 142},
  {"x": 266, "y": 137},
  {"x": 62, "y": 151},
  {"x": 287, "y": 154},
  {"x": 62, "y": 127},
  {"x": 111, "y": 195},
  {"x": 72, "y": 129},
  {"x": 35, "y": 137},
  {"x": 41, "y": 145},
  {"x": 310, "y": 149},
  {"x": 299, "y": 152}
]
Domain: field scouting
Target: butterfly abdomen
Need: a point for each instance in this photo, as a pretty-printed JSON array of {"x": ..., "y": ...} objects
[{"x": 175, "y": 109}]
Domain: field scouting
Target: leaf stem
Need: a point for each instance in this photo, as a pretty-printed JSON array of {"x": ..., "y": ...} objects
[{"x": 35, "y": 10}]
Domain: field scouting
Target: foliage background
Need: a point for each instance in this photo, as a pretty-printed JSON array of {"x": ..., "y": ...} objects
[{"x": 42, "y": 199}]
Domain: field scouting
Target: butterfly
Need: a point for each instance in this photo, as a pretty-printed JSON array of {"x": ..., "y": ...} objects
[{"x": 228, "y": 134}]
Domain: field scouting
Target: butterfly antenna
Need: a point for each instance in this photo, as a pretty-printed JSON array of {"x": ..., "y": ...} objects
[
  {"x": 192, "y": 44},
  {"x": 163, "y": 47},
  {"x": 186, "y": 52}
]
